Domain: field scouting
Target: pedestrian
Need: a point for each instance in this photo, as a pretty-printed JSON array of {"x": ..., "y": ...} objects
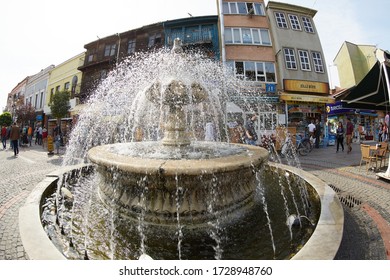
[
  {"x": 311, "y": 127},
  {"x": 58, "y": 143},
  {"x": 4, "y": 136},
  {"x": 250, "y": 131},
  {"x": 15, "y": 136},
  {"x": 44, "y": 136},
  {"x": 36, "y": 132},
  {"x": 317, "y": 134},
  {"x": 348, "y": 134},
  {"x": 40, "y": 135},
  {"x": 340, "y": 137},
  {"x": 380, "y": 132},
  {"x": 30, "y": 133}
]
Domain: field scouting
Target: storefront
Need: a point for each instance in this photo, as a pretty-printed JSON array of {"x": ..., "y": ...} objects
[
  {"x": 365, "y": 121},
  {"x": 305, "y": 101}
]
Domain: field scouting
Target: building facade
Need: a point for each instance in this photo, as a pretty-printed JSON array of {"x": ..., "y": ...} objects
[
  {"x": 247, "y": 49},
  {"x": 353, "y": 63},
  {"x": 35, "y": 94},
  {"x": 102, "y": 55},
  {"x": 64, "y": 77},
  {"x": 16, "y": 98},
  {"x": 303, "y": 83}
]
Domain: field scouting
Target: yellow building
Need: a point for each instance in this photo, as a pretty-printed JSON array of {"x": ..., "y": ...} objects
[
  {"x": 64, "y": 76},
  {"x": 354, "y": 62}
]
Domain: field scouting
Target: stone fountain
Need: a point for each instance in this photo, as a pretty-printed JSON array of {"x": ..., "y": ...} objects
[{"x": 177, "y": 193}]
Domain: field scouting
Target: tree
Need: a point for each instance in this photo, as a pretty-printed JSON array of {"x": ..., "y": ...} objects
[
  {"x": 59, "y": 104},
  {"x": 25, "y": 113},
  {"x": 6, "y": 119}
]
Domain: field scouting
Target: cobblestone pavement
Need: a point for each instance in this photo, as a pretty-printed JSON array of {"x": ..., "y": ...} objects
[
  {"x": 366, "y": 200},
  {"x": 19, "y": 175}
]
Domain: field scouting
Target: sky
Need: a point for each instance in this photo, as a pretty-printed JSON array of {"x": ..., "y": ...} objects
[{"x": 36, "y": 34}]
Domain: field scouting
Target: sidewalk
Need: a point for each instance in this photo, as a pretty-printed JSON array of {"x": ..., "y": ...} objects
[{"x": 366, "y": 200}]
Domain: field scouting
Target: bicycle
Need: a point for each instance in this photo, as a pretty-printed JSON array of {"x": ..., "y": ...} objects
[{"x": 302, "y": 147}]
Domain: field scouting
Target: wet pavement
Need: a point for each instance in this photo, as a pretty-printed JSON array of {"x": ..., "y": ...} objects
[{"x": 365, "y": 199}]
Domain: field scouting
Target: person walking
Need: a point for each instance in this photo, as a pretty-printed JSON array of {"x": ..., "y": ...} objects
[
  {"x": 250, "y": 131},
  {"x": 349, "y": 134},
  {"x": 4, "y": 136},
  {"x": 340, "y": 137},
  {"x": 30, "y": 133},
  {"x": 317, "y": 133},
  {"x": 44, "y": 136},
  {"x": 15, "y": 136}
]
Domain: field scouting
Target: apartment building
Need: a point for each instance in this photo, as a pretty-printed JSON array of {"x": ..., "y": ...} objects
[
  {"x": 303, "y": 83},
  {"x": 247, "y": 48}
]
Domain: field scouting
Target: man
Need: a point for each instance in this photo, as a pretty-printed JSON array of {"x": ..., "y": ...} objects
[
  {"x": 15, "y": 136},
  {"x": 348, "y": 134},
  {"x": 311, "y": 128},
  {"x": 250, "y": 131},
  {"x": 4, "y": 136},
  {"x": 317, "y": 133}
]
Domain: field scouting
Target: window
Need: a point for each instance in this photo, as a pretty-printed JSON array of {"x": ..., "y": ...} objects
[
  {"x": 253, "y": 36},
  {"x": 58, "y": 88},
  {"x": 307, "y": 25},
  {"x": 243, "y": 8},
  {"x": 90, "y": 58},
  {"x": 131, "y": 46},
  {"x": 67, "y": 86},
  {"x": 294, "y": 21},
  {"x": 36, "y": 101},
  {"x": 154, "y": 39},
  {"x": 110, "y": 50},
  {"x": 270, "y": 71},
  {"x": 253, "y": 70},
  {"x": 281, "y": 20},
  {"x": 304, "y": 60},
  {"x": 259, "y": 10},
  {"x": 289, "y": 57},
  {"x": 41, "y": 101},
  {"x": 250, "y": 70},
  {"x": 246, "y": 36},
  {"x": 317, "y": 62}
]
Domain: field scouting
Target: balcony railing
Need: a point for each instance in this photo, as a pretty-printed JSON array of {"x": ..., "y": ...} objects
[{"x": 187, "y": 39}]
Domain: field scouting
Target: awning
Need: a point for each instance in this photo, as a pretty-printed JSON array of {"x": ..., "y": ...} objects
[
  {"x": 371, "y": 92},
  {"x": 306, "y": 98}
]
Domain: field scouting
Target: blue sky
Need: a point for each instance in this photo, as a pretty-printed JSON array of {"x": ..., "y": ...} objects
[{"x": 35, "y": 34}]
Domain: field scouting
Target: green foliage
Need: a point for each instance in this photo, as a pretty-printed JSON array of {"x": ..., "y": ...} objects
[
  {"x": 59, "y": 104},
  {"x": 5, "y": 119}
]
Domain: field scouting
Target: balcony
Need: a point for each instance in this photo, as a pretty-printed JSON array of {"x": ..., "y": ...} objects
[{"x": 190, "y": 39}]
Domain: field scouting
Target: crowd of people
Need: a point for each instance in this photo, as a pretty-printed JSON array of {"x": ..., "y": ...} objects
[{"x": 19, "y": 136}]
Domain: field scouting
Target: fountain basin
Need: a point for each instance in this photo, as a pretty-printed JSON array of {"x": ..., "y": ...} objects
[
  {"x": 155, "y": 180},
  {"x": 322, "y": 245}
]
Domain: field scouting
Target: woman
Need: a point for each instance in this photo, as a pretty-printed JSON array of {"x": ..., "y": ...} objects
[{"x": 340, "y": 137}]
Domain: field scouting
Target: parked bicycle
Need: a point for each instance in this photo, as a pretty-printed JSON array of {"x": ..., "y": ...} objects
[{"x": 302, "y": 146}]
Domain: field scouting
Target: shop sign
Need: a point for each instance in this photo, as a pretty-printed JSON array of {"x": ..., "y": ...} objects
[
  {"x": 306, "y": 98},
  {"x": 305, "y": 86},
  {"x": 337, "y": 109},
  {"x": 270, "y": 88},
  {"x": 39, "y": 118}
]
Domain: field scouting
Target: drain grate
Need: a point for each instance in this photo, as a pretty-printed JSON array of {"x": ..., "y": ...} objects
[
  {"x": 336, "y": 189},
  {"x": 349, "y": 200},
  {"x": 345, "y": 198}
]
